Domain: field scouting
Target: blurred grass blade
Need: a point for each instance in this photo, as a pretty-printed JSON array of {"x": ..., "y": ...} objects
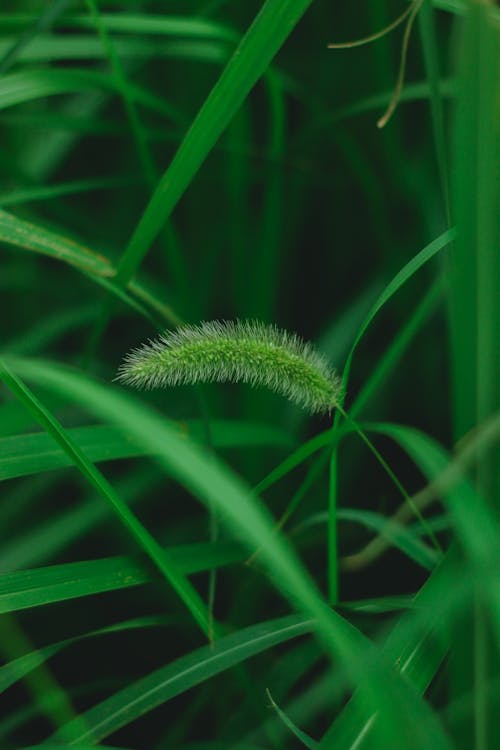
[
  {"x": 42, "y": 22},
  {"x": 16, "y": 669},
  {"x": 475, "y": 271},
  {"x": 184, "y": 673},
  {"x": 402, "y": 538},
  {"x": 416, "y": 649},
  {"x": 29, "y": 85},
  {"x": 268, "y": 32},
  {"x": 28, "y": 236},
  {"x": 427, "y": 26},
  {"x": 144, "y": 539},
  {"x": 302, "y": 737},
  {"x": 475, "y": 348},
  {"x": 56, "y": 583},
  {"x": 138, "y": 23},
  {"x": 21, "y": 455}
]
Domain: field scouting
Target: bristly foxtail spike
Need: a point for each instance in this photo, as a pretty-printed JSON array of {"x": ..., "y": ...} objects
[{"x": 235, "y": 351}]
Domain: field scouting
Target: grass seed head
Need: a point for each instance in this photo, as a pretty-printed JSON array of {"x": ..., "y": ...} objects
[{"x": 240, "y": 351}]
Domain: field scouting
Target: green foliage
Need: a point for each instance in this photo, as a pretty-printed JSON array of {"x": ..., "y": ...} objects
[{"x": 212, "y": 568}]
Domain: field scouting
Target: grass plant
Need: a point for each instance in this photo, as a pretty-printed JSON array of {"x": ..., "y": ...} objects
[{"x": 211, "y": 566}]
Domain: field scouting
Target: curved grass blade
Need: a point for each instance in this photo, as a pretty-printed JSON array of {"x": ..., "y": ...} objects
[
  {"x": 408, "y": 270},
  {"x": 167, "y": 682},
  {"x": 27, "y": 85},
  {"x": 21, "y": 233},
  {"x": 16, "y": 669},
  {"x": 299, "y": 734},
  {"x": 144, "y": 539},
  {"x": 28, "y": 236},
  {"x": 391, "y": 533}
]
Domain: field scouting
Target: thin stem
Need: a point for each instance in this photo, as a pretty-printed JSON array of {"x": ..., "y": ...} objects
[
  {"x": 382, "y": 122},
  {"x": 393, "y": 477},
  {"x": 377, "y": 35}
]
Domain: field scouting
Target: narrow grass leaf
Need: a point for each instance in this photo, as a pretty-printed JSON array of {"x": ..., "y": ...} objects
[
  {"x": 29, "y": 85},
  {"x": 268, "y": 32},
  {"x": 302, "y": 737},
  {"x": 22, "y": 455},
  {"x": 17, "y": 669},
  {"x": 144, "y": 539},
  {"x": 165, "y": 683},
  {"x": 427, "y": 26},
  {"x": 23, "y": 234},
  {"x": 406, "y": 273},
  {"x": 181, "y": 27},
  {"x": 25, "y": 589},
  {"x": 43, "y": 21}
]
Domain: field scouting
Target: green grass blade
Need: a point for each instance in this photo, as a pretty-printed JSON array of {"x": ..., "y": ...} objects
[
  {"x": 144, "y": 539},
  {"x": 16, "y": 669},
  {"x": 427, "y": 28},
  {"x": 406, "y": 273},
  {"x": 19, "y": 233},
  {"x": 86, "y": 47},
  {"x": 184, "y": 673},
  {"x": 29, "y": 236},
  {"x": 40, "y": 23},
  {"x": 21, "y": 455},
  {"x": 302, "y": 737},
  {"x": 263, "y": 39},
  {"x": 136, "y": 23},
  {"x": 73, "y": 187},
  {"x": 394, "y": 352},
  {"x": 57, "y": 583},
  {"x": 475, "y": 343},
  {"x": 27, "y": 85}
]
